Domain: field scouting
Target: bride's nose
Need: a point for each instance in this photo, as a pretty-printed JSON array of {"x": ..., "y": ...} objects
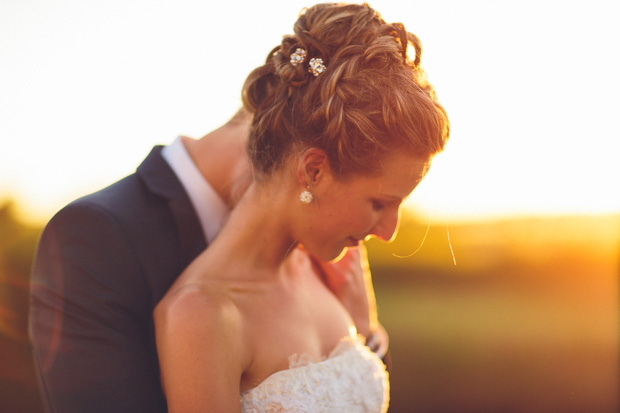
[{"x": 385, "y": 228}]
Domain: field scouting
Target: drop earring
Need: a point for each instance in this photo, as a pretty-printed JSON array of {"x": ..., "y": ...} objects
[{"x": 305, "y": 197}]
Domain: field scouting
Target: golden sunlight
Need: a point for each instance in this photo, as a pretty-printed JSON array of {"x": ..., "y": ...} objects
[
  {"x": 525, "y": 138},
  {"x": 501, "y": 288}
]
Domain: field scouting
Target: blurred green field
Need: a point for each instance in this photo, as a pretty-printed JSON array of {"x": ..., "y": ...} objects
[{"x": 526, "y": 321}]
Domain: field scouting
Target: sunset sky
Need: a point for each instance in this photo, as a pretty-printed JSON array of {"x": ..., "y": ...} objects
[{"x": 531, "y": 88}]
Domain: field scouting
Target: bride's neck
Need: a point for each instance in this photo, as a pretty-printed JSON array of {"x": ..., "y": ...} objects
[{"x": 259, "y": 230}]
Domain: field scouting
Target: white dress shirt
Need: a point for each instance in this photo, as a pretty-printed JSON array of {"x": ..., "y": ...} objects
[{"x": 211, "y": 209}]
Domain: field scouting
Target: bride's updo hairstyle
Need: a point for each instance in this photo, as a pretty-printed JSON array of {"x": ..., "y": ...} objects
[{"x": 371, "y": 96}]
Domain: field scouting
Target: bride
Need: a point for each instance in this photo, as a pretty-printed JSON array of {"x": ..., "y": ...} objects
[{"x": 344, "y": 127}]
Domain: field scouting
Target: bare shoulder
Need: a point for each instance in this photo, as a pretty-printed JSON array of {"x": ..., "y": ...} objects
[
  {"x": 199, "y": 313},
  {"x": 185, "y": 303},
  {"x": 200, "y": 348}
]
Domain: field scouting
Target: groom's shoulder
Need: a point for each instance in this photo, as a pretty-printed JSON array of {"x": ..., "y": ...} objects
[{"x": 124, "y": 200}]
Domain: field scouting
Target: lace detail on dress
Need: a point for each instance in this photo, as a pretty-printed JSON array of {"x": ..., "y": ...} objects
[{"x": 351, "y": 379}]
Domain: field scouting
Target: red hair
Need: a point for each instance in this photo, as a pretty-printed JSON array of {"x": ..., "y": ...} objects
[{"x": 371, "y": 98}]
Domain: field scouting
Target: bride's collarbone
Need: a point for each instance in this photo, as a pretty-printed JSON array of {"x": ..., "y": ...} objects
[{"x": 299, "y": 301}]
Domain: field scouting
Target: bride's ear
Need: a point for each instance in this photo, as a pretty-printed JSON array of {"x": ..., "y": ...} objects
[{"x": 313, "y": 167}]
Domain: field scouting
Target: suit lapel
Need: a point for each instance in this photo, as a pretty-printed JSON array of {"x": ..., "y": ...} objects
[{"x": 161, "y": 181}]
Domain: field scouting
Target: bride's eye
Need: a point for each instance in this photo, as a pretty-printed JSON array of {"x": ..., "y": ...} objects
[{"x": 377, "y": 205}]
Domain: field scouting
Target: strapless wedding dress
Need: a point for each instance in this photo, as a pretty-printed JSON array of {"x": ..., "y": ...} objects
[{"x": 351, "y": 379}]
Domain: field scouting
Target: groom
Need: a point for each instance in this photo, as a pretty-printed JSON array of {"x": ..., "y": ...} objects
[{"x": 105, "y": 260}]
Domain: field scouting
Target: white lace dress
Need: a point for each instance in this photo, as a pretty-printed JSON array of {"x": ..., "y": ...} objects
[{"x": 351, "y": 379}]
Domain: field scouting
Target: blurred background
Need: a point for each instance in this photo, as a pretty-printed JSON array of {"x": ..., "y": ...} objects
[{"x": 500, "y": 292}]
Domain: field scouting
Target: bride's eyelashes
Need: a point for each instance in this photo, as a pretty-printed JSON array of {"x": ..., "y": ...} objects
[{"x": 377, "y": 205}]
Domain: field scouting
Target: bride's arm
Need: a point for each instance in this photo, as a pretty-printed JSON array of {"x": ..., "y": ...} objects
[{"x": 199, "y": 352}]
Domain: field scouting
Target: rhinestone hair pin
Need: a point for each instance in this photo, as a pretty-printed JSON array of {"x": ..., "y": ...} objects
[
  {"x": 316, "y": 66},
  {"x": 298, "y": 57}
]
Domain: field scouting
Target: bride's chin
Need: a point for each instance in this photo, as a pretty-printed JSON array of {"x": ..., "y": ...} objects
[
  {"x": 328, "y": 256},
  {"x": 338, "y": 256},
  {"x": 331, "y": 254}
]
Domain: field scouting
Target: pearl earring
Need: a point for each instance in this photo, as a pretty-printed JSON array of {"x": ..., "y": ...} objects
[{"x": 305, "y": 197}]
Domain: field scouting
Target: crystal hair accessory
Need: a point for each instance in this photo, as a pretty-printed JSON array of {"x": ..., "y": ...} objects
[
  {"x": 305, "y": 197},
  {"x": 298, "y": 57},
  {"x": 316, "y": 66}
]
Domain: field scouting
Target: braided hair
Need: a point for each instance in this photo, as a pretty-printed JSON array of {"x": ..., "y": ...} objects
[{"x": 372, "y": 97}]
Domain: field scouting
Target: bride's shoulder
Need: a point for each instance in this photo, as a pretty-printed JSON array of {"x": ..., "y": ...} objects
[
  {"x": 196, "y": 314},
  {"x": 203, "y": 304},
  {"x": 200, "y": 354}
]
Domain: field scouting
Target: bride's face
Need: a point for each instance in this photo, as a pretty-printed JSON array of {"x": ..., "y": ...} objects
[{"x": 345, "y": 212}]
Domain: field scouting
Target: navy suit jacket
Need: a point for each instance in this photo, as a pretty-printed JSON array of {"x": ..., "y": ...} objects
[{"x": 102, "y": 264}]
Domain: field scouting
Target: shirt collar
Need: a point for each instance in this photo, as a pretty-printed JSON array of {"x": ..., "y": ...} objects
[{"x": 211, "y": 209}]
